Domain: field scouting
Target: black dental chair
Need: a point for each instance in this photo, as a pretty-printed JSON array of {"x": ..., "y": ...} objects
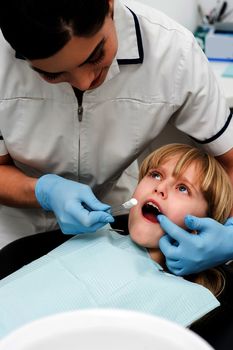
[{"x": 217, "y": 329}]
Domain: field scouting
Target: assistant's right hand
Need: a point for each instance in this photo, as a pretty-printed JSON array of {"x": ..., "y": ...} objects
[{"x": 65, "y": 197}]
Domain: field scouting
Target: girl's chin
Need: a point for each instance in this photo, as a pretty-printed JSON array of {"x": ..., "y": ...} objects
[{"x": 146, "y": 243}]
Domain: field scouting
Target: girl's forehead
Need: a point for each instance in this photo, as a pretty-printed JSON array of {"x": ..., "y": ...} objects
[
  {"x": 168, "y": 161},
  {"x": 177, "y": 165},
  {"x": 176, "y": 160}
]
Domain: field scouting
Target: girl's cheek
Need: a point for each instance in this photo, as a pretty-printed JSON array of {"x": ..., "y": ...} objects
[{"x": 177, "y": 219}]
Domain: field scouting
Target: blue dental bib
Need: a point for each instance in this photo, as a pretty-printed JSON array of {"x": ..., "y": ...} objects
[{"x": 104, "y": 270}]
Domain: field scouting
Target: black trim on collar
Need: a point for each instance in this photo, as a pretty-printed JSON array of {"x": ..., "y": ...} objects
[
  {"x": 19, "y": 56},
  {"x": 211, "y": 139},
  {"x": 139, "y": 42}
]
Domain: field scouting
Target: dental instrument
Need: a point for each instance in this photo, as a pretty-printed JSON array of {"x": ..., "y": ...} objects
[{"x": 117, "y": 209}]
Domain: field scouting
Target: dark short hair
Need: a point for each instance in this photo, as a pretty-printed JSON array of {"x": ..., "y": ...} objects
[{"x": 39, "y": 28}]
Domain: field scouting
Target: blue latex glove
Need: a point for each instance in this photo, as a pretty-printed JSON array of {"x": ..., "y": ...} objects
[
  {"x": 188, "y": 253},
  {"x": 65, "y": 198}
]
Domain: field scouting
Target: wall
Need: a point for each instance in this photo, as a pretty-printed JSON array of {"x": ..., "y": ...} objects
[
  {"x": 183, "y": 11},
  {"x": 207, "y": 5}
]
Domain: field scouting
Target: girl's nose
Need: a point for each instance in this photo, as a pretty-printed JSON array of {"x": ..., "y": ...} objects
[{"x": 161, "y": 189}]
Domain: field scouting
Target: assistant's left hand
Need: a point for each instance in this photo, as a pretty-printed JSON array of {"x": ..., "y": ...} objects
[{"x": 188, "y": 253}]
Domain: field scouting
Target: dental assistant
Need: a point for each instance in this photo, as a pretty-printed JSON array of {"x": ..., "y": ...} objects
[{"x": 85, "y": 87}]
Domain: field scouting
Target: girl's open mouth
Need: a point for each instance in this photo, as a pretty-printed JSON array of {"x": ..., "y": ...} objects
[{"x": 150, "y": 211}]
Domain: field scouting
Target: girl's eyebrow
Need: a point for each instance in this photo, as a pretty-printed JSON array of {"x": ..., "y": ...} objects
[
  {"x": 98, "y": 47},
  {"x": 183, "y": 178}
]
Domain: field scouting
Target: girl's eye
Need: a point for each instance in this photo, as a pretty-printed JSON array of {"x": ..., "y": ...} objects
[
  {"x": 155, "y": 175},
  {"x": 183, "y": 189},
  {"x": 98, "y": 59}
]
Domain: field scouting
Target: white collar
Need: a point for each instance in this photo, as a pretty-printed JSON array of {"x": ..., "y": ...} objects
[{"x": 130, "y": 48}]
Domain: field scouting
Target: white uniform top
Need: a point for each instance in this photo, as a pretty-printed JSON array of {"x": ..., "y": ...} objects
[{"x": 160, "y": 75}]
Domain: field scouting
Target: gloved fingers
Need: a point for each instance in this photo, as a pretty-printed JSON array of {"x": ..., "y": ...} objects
[
  {"x": 229, "y": 222},
  {"x": 174, "y": 270},
  {"x": 168, "y": 248},
  {"x": 177, "y": 271},
  {"x": 69, "y": 227},
  {"x": 201, "y": 224},
  {"x": 93, "y": 203},
  {"x": 165, "y": 242},
  {"x": 95, "y": 227},
  {"x": 177, "y": 267},
  {"x": 87, "y": 218},
  {"x": 174, "y": 263},
  {"x": 100, "y": 217},
  {"x": 175, "y": 232},
  {"x": 73, "y": 229}
]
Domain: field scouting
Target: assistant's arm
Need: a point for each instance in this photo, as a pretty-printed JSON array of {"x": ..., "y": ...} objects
[
  {"x": 16, "y": 189},
  {"x": 53, "y": 193}
]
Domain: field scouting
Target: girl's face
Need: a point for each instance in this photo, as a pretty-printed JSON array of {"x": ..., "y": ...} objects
[
  {"x": 84, "y": 61},
  {"x": 160, "y": 192}
]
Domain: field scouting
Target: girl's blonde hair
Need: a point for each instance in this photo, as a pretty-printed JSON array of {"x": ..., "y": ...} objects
[{"x": 214, "y": 181}]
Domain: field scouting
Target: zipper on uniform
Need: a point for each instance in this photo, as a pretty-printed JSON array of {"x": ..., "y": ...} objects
[
  {"x": 79, "y": 96},
  {"x": 80, "y": 113}
]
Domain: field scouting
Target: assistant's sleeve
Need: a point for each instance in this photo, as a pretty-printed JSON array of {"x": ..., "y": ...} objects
[
  {"x": 3, "y": 149},
  {"x": 202, "y": 111}
]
